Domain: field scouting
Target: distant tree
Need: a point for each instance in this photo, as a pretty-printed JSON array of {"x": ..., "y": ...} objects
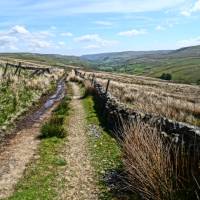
[
  {"x": 198, "y": 82},
  {"x": 166, "y": 76}
]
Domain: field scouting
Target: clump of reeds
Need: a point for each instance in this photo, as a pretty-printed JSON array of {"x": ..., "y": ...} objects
[{"x": 156, "y": 168}]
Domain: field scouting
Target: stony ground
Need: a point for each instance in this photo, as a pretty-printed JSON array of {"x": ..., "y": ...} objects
[{"x": 79, "y": 177}]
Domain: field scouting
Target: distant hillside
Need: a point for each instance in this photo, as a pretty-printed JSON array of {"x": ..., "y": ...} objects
[
  {"x": 121, "y": 55},
  {"x": 183, "y": 64},
  {"x": 51, "y": 59}
]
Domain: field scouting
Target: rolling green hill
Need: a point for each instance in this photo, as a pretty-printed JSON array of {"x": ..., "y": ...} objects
[{"x": 183, "y": 64}]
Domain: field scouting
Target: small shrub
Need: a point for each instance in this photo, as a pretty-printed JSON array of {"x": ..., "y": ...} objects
[
  {"x": 54, "y": 127},
  {"x": 52, "y": 130},
  {"x": 60, "y": 162},
  {"x": 167, "y": 77},
  {"x": 57, "y": 120},
  {"x": 198, "y": 82},
  {"x": 63, "y": 107}
]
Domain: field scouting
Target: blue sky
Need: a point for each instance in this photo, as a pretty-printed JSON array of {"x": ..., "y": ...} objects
[{"x": 76, "y": 27}]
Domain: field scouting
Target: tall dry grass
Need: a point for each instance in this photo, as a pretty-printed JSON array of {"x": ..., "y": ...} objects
[
  {"x": 18, "y": 93},
  {"x": 175, "y": 101},
  {"x": 156, "y": 168},
  {"x": 156, "y": 102}
]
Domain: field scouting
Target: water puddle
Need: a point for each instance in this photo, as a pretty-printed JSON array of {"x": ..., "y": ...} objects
[{"x": 57, "y": 96}]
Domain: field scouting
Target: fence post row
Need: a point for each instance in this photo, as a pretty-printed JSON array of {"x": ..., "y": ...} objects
[{"x": 19, "y": 67}]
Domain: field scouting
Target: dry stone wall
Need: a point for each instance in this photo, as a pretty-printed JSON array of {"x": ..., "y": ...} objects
[{"x": 116, "y": 114}]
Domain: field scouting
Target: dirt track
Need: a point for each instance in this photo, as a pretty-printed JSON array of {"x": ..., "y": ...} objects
[{"x": 79, "y": 174}]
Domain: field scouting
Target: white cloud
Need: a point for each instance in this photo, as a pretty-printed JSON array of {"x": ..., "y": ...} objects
[
  {"x": 160, "y": 28},
  {"x": 7, "y": 41},
  {"x": 132, "y": 33},
  {"x": 103, "y": 23},
  {"x": 19, "y": 37},
  {"x": 192, "y": 9},
  {"x": 92, "y": 46},
  {"x": 43, "y": 34},
  {"x": 189, "y": 42},
  {"x": 88, "y": 38},
  {"x": 68, "y": 34},
  {"x": 19, "y": 30},
  {"x": 39, "y": 44},
  {"x": 63, "y": 7},
  {"x": 196, "y": 6},
  {"x": 95, "y": 40},
  {"x": 53, "y": 28},
  {"x": 186, "y": 13},
  {"x": 61, "y": 43}
]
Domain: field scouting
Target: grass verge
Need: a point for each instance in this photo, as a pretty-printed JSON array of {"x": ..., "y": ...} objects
[
  {"x": 105, "y": 152},
  {"x": 40, "y": 179}
]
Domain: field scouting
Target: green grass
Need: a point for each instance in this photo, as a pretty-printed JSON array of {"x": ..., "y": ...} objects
[
  {"x": 40, "y": 180},
  {"x": 183, "y": 70},
  {"x": 48, "y": 59},
  {"x": 105, "y": 152},
  {"x": 16, "y": 96},
  {"x": 12, "y": 103},
  {"x": 183, "y": 64}
]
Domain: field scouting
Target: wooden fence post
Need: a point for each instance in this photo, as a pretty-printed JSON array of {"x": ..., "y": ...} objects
[
  {"x": 108, "y": 83},
  {"x": 34, "y": 73},
  {"x": 18, "y": 67},
  {"x": 5, "y": 71},
  {"x": 92, "y": 79},
  {"x": 48, "y": 70},
  {"x": 19, "y": 71}
]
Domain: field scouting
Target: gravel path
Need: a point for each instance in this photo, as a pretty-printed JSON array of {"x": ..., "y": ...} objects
[{"x": 80, "y": 183}]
